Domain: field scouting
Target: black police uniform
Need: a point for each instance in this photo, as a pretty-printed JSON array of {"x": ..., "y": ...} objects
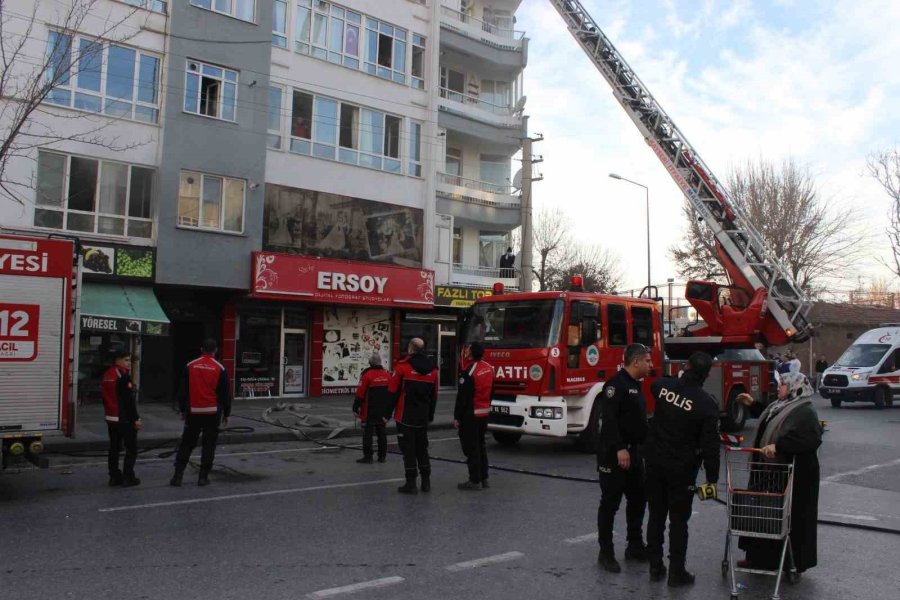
[
  {"x": 685, "y": 422},
  {"x": 624, "y": 427}
]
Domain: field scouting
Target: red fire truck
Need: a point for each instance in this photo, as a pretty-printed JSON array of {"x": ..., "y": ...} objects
[{"x": 39, "y": 283}]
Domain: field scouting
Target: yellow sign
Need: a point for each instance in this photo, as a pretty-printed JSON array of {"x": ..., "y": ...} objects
[{"x": 457, "y": 297}]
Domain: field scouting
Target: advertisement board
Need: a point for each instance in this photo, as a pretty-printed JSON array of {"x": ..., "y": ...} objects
[{"x": 351, "y": 337}]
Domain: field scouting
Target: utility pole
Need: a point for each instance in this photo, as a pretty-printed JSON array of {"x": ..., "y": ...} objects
[{"x": 528, "y": 162}]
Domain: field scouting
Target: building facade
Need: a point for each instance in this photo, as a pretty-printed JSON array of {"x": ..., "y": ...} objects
[{"x": 308, "y": 194}]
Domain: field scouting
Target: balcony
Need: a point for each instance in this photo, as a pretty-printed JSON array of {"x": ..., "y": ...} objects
[
  {"x": 476, "y": 192},
  {"x": 473, "y": 107},
  {"x": 484, "y": 277},
  {"x": 482, "y": 31}
]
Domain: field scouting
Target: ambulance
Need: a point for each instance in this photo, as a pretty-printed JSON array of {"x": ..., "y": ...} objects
[{"x": 869, "y": 370}]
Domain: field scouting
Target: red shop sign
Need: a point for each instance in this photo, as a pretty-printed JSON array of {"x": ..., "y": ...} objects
[{"x": 340, "y": 281}]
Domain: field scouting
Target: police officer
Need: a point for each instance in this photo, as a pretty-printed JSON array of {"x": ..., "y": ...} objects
[
  {"x": 619, "y": 462},
  {"x": 122, "y": 420},
  {"x": 372, "y": 405},
  {"x": 685, "y": 423},
  {"x": 470, "y": 416},
  {"x": 204, "y": 401},
  {"x": 414, "y": 387}
]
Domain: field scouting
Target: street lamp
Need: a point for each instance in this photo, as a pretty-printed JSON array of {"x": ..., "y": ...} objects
[{"x": 647, "y": 196}]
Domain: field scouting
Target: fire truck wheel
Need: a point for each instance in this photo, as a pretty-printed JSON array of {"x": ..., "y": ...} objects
[
  {"x": 587, "y": 440},
  {"x": 736, "y": 413},
  {"x": 507, "y": 438},
  {"x": 835, "y": 403},
  {"x": 880, "y": 398}
]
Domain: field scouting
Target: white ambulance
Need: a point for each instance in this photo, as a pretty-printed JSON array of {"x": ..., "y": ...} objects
[{"x": 869, "y": 370}]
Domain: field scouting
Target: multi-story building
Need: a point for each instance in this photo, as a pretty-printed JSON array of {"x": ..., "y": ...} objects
[{"x": 303, "y": 191}]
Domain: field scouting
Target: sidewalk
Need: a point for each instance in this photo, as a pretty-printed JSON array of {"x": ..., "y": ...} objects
[{"x": 162, "y": 425}]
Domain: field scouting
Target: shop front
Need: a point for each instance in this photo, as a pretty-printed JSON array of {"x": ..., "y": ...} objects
[{"x": 311, "y": 324}]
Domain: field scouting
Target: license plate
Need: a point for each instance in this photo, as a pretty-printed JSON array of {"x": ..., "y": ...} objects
[
  {"x": 832, "y": 390},
  {"x": 502, "y": 410}
]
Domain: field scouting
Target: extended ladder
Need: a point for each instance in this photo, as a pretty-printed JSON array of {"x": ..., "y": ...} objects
[{"x": 740, "y": 241}]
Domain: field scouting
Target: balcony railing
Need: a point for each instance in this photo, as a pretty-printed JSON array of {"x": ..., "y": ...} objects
[
  {"x": 474, "y": 184},
  {"x": 487, "y": 272},
  {"x": 476, "y": 102},
  {"x": 503, "y": 33}
]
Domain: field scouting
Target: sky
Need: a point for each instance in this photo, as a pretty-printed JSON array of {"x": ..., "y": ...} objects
[{"x": 809, "y": 80}]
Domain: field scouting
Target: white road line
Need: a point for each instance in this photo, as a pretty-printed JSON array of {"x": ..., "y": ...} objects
[
  {"x": 856, "y": 517},
  {"x": 590, "y": 537},
  {"x": 251, "y": 495},
  {"x": 862, "y": 471},
  {"x": 488, "y": 560},
  {"x": 356, "y": 587}
]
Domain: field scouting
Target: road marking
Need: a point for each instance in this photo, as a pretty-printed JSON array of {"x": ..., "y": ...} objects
[
  {"x": 356, "y": 587},
  {"x": 856, "y": 517},
  {"x": 862, "y": 471},
  {"x": 317, "y": 488},
  {"x": 590, "y": 537},
  {"x": 488, "y": 560}
]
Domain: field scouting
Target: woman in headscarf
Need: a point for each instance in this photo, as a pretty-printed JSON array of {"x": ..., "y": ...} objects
[{"x": 789, "y": 429}]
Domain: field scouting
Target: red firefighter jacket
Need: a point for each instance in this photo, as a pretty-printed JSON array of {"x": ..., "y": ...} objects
[
  {"x": 204, "y": 388},
  {"x": 118, "y": 396},
  {"x": 473, "y": 397},
  {"x": 373, "y": 400},
  {"x": 414, "y": 387}
]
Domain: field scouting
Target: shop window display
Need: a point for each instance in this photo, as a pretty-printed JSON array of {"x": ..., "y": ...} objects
[{"x": 351, "y": 336}]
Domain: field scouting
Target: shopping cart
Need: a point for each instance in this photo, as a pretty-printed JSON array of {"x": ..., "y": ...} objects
[{"x": 759, "y": 506}]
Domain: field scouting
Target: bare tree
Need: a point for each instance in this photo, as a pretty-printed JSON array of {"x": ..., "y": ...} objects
[
  {"x": 550, "y": 234},
  {"x": 813, "y": 238},
  {"x": 28, "y": 77},
  {"x": 885, "y": 168},
  {"x": 600, "y": 269}
]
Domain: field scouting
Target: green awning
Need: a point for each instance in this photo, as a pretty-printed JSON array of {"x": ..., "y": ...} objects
[{"x": 122, "y": 308}]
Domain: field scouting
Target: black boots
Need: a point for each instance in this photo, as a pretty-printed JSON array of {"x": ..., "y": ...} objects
[
  {"x": 678, "y": 577},
  {"x": 410, "y": 487},
  {"x": 204, "y": 479},
  {"x": 657, "y": 571},
  {"x": 115, "y": 480},
  {"x": 636, "y": 551},
  {"x": 176, "y": 478},
  {"x": 365, "y": 460},
  {"x": 130, "y": 481},
  {"x": 608, "y": 561},
  {"x": 469, "y": 486}
]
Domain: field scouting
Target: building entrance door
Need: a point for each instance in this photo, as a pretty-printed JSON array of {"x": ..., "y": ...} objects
[{"x": 293, "y": 362}]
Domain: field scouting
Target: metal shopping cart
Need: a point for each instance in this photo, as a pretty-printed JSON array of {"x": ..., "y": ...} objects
[{"x": 759, "y": 506}]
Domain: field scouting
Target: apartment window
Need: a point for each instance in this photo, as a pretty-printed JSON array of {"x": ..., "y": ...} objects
[
  {"x": 211, "y": 202},
  {"x": 244, "y": 10},
  {"x": 417, "y": 71},
  {"x": 279, "y": 24},
  {"x": 210, "y": 91},
  {"x": 453, "y": 161},
  {"x": 93, "y": 196},
  {"x": 495, "y": 92},
  {"x": 495, "y": 169},
  {"x": 349, "y": 134},
  {"x": 103, "y": 78},
  {"x": 491, "y": 246},
  {"x": 328, "y": 32},
  {"x": 274, "y": 117},
  {"x": 385, "y": 50},
  {"x": 453, "y": 84},
  {"x": 415, "y": 149},
  {"x": 457, "y": 246},
  {"x": 151, "y": 5},
  {"x": 392, "y": 144},
  {"x": 301, "y": 122}
]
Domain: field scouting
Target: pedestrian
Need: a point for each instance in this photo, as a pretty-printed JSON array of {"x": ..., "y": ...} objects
[
  {"x": 684, "y": 430},
  {"x": 821, "y": 365},
  {"x": 789, "y": 430},
  {"x": 619, "y": 459},
  {"x": 470, "y": 416},
  {"x": 507, "y": 263},
  {"x": 204, "y": 402},
  {"x": 794, "y": 365},
  {"x": 122, "y": 419},
  {"x": 414, "y": 387},
  {"x": 372, "y": 405}
]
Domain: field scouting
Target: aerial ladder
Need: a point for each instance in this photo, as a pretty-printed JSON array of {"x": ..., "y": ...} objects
[{"x": 764, "y": 303}]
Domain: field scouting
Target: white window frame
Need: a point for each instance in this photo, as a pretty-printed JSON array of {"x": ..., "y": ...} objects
[
  {"x": 280, "y": 37},
  {"x": 230, "y": 12},
  {"x": 64, "y": 209},
  {"x": 275, "y": 138},
  {"x": 158, "y": 6},
  {"x": 70, "y": 88},
  {"x": 224, "y": 81},
  {"x": 396, "y": 35},
  {"x": 418, "y": 42},
  {"x": 414, "y": 165},
  {"x": 199, "y": 224}
]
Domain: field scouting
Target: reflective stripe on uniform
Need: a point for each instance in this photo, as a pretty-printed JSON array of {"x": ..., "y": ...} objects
[
  {"x": 482, "y": 411},
  {"x": 204, "y": 410},
  {"x": 112, "y": 419}
]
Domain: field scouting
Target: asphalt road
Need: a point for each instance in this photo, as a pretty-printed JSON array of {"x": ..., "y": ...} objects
[{"x": 290, "y": 520}]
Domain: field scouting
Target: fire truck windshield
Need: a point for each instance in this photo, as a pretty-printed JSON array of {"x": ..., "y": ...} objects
[{"x": 515, "y": 323}]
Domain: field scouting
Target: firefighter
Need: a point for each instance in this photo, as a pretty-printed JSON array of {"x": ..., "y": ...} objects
[
  {"x": 684, "y": 430},
  {"x": 204, "y": 401},
  {"x": 470, "y": 416},
  {"x": 122, "y": 419},
  {"x": 414, "y": 387},
  {"x": 372, "y": 406},
  {"x": 622, "y": 432}
]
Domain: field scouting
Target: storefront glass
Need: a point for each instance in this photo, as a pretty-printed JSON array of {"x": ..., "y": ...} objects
[
  {"x": 258, "y": 358},
  {"x": 351, "y": 337}
]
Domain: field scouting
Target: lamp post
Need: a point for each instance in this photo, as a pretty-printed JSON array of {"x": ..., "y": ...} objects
[{"x": 647, "y": 197}]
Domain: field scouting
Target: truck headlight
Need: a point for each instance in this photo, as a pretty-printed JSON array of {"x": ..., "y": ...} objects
[
  {"x": 547, "y": 413},
  {"x": 859, "y": 376}
]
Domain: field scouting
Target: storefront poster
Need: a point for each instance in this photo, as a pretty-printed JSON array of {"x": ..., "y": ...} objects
[
  {"x": 340, "y": 282},
  {"x": 256, "y": 386},
  {"x": 351, "y": 337},
  {"x": 457, "y": 297},
  {"x": 333, "y": 226},
  {"x": 293, "y": 379},
  {"x": 120, "y": 262}
]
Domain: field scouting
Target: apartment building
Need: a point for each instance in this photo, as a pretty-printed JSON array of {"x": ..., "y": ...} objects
[{"x": 308, "y": 194}]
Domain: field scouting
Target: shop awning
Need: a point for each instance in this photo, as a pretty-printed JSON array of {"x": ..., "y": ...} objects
[{"x": 122, "y": 308}]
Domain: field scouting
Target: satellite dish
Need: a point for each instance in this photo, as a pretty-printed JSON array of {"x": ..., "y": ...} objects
[
  {"x": 520, "y": 105},
  {"x": 517, "y": 180}
]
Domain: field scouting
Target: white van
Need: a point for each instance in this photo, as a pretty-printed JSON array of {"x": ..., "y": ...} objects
[{"x": 869, "y": 370}]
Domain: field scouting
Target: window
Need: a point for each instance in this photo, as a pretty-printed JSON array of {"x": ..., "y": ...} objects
[
  {"x": 103, "y": 78},
  {"x": 642, "y": 326},
  {"x": 392, "y": 144},
  {"x": 495, "y": 170},
  {"x": 274, "y": 120},
  {"x": 453, "y": 161},
  {"x": 210, "y": 91},
  {"x": 618, "y": 328},
  {"x": 496, "y": 93},
  {"x": 491, "y": 246},
  {"x": 328, "y": 32},
  {"x": 417, "y": 71},
  {"x": 457, "y": 246},
  {"x": 211, "y": 202},
  {"x": 349, "y": 134},
  {"x": 301, "y": 122},
  {"x": 84, "y": 194},
  {"x": 279, "y": 24},
  {"x": 151, "y": 5},
  {"x": 453, "y": 85},
  {"x": 244, "y": 10},
  {"x": 415, "y": 149},
  {"x": 385, "y": 51}
]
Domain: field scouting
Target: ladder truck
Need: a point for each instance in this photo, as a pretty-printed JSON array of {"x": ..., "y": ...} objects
[{"x": 763, "y": 304}]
